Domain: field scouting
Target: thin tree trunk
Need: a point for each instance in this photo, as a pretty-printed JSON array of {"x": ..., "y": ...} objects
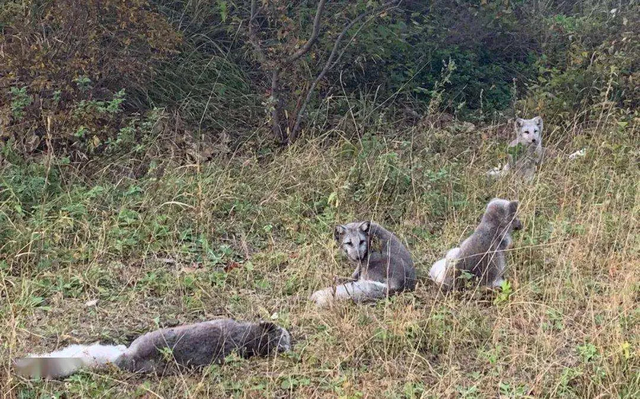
[
  {"x": 276, "y": 126},
  {"x": 330, "y": 64}
]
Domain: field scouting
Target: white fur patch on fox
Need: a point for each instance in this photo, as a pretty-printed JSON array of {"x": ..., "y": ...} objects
[
  {"x": 358, "y": 291},
  {"x": 67, "y": 361},
  {"x": 578, "y": 154},
  {"x": 442, "y": 272}
]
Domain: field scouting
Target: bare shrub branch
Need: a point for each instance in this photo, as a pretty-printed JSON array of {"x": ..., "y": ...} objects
[
  {"x": 330, "y": 64},
  {"x": 314, "y": 35},
  {"x": 253, "y": 36}
]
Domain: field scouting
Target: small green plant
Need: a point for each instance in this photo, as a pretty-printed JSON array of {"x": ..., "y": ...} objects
[
  {"x": 468, "y": 393},
  {"x": 517, "y": 391},
  {"x": 413, "y": 390},
  {"x": 436, "y": 93},
  {"x": 465, "y": 278},
  {"x": 504, "y": 294},
  {"x": 567, "y": 381},
  {"x": 83, "y": 82},
  {"x": 167, "y": 354},
  {"x": 32, "y": 301},
  {"x": 27, "y": 393},
  {"x": 554, "y": 320},
  {"x": 290, "y": 383},
  {"x": 81, "y": 132},
  {"x": 587, "y": 352},
  {"x": 114, "y": 106},
  {"x": 20, "y": 100}
]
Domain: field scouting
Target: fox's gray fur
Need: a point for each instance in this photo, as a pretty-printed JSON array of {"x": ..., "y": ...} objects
[
  {"x": 482, "y": 254},
  {"x": 193, "y": 345},
  {"x": 383, "y": 265},
  {"x": 529, "y": 135}
]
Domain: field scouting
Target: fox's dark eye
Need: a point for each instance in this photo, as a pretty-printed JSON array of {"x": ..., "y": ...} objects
[
  {"x": 362, "y": 242},
  {"x": 348, "y": 244}
]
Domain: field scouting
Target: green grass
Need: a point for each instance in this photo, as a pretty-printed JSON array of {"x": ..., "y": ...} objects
[{"x": 250, "y": 237}]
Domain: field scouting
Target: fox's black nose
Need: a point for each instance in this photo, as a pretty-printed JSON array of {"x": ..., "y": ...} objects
[{"x": 534, "y": 141}]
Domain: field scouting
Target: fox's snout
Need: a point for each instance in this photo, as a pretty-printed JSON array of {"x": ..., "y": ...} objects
[{"x": 517, "y": 225}]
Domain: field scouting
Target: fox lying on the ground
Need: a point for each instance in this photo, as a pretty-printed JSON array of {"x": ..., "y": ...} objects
[{"x": 193, "y": 345}]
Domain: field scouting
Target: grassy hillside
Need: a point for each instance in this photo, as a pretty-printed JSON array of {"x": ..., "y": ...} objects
[{"x": 249, "y": 235}]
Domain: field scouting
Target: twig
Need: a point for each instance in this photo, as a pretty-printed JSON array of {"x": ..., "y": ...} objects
[
  {"x": 314, "y": 35},
  {"x": 253, "y": 37},
  {"x": 275, "y": 113}
]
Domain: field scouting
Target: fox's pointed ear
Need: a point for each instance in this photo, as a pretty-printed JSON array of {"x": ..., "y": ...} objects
[
  {"x": 267, "y": 326},
  {"x": 491, "y": 203},
  {"x": 365, "y": 226},
  {"x": 519, "y": 122},
  {"x": 513, "y": 206},
  {"x": 338, "y": 232},
  {"x": 538, "y": 120}
]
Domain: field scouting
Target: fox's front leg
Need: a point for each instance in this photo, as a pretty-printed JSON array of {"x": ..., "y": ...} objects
[{"x": 497, "y": 283}]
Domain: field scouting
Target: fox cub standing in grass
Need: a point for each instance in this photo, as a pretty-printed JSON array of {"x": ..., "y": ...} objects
[
  {"x": 193, "y": 345},
  {"x": 383, "y": 264},
  {"x": 525, "y": 151},
  {"x": 482, "y": 254}
]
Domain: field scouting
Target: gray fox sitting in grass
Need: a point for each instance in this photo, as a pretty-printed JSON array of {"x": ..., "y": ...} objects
[
  {"x": 525, "y": 151},
  {"x": 482, "y": 254},
  {"x": 383, "y": 265},
  {"x": 189, "y": 346}
]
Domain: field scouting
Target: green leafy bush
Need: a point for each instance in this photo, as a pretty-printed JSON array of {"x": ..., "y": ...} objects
[
  {"x": 590, "y": 60},
  {"x": 67, "y": 65}
]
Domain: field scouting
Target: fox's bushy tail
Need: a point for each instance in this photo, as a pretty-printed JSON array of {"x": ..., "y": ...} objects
[
  {"x": 67, "y": 361},
  {"x": 442, "y": 272},
  {"x": 358, "y": 291}
]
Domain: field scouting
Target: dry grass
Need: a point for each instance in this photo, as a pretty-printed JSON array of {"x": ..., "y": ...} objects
[{"x": 568, "y": 329}]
